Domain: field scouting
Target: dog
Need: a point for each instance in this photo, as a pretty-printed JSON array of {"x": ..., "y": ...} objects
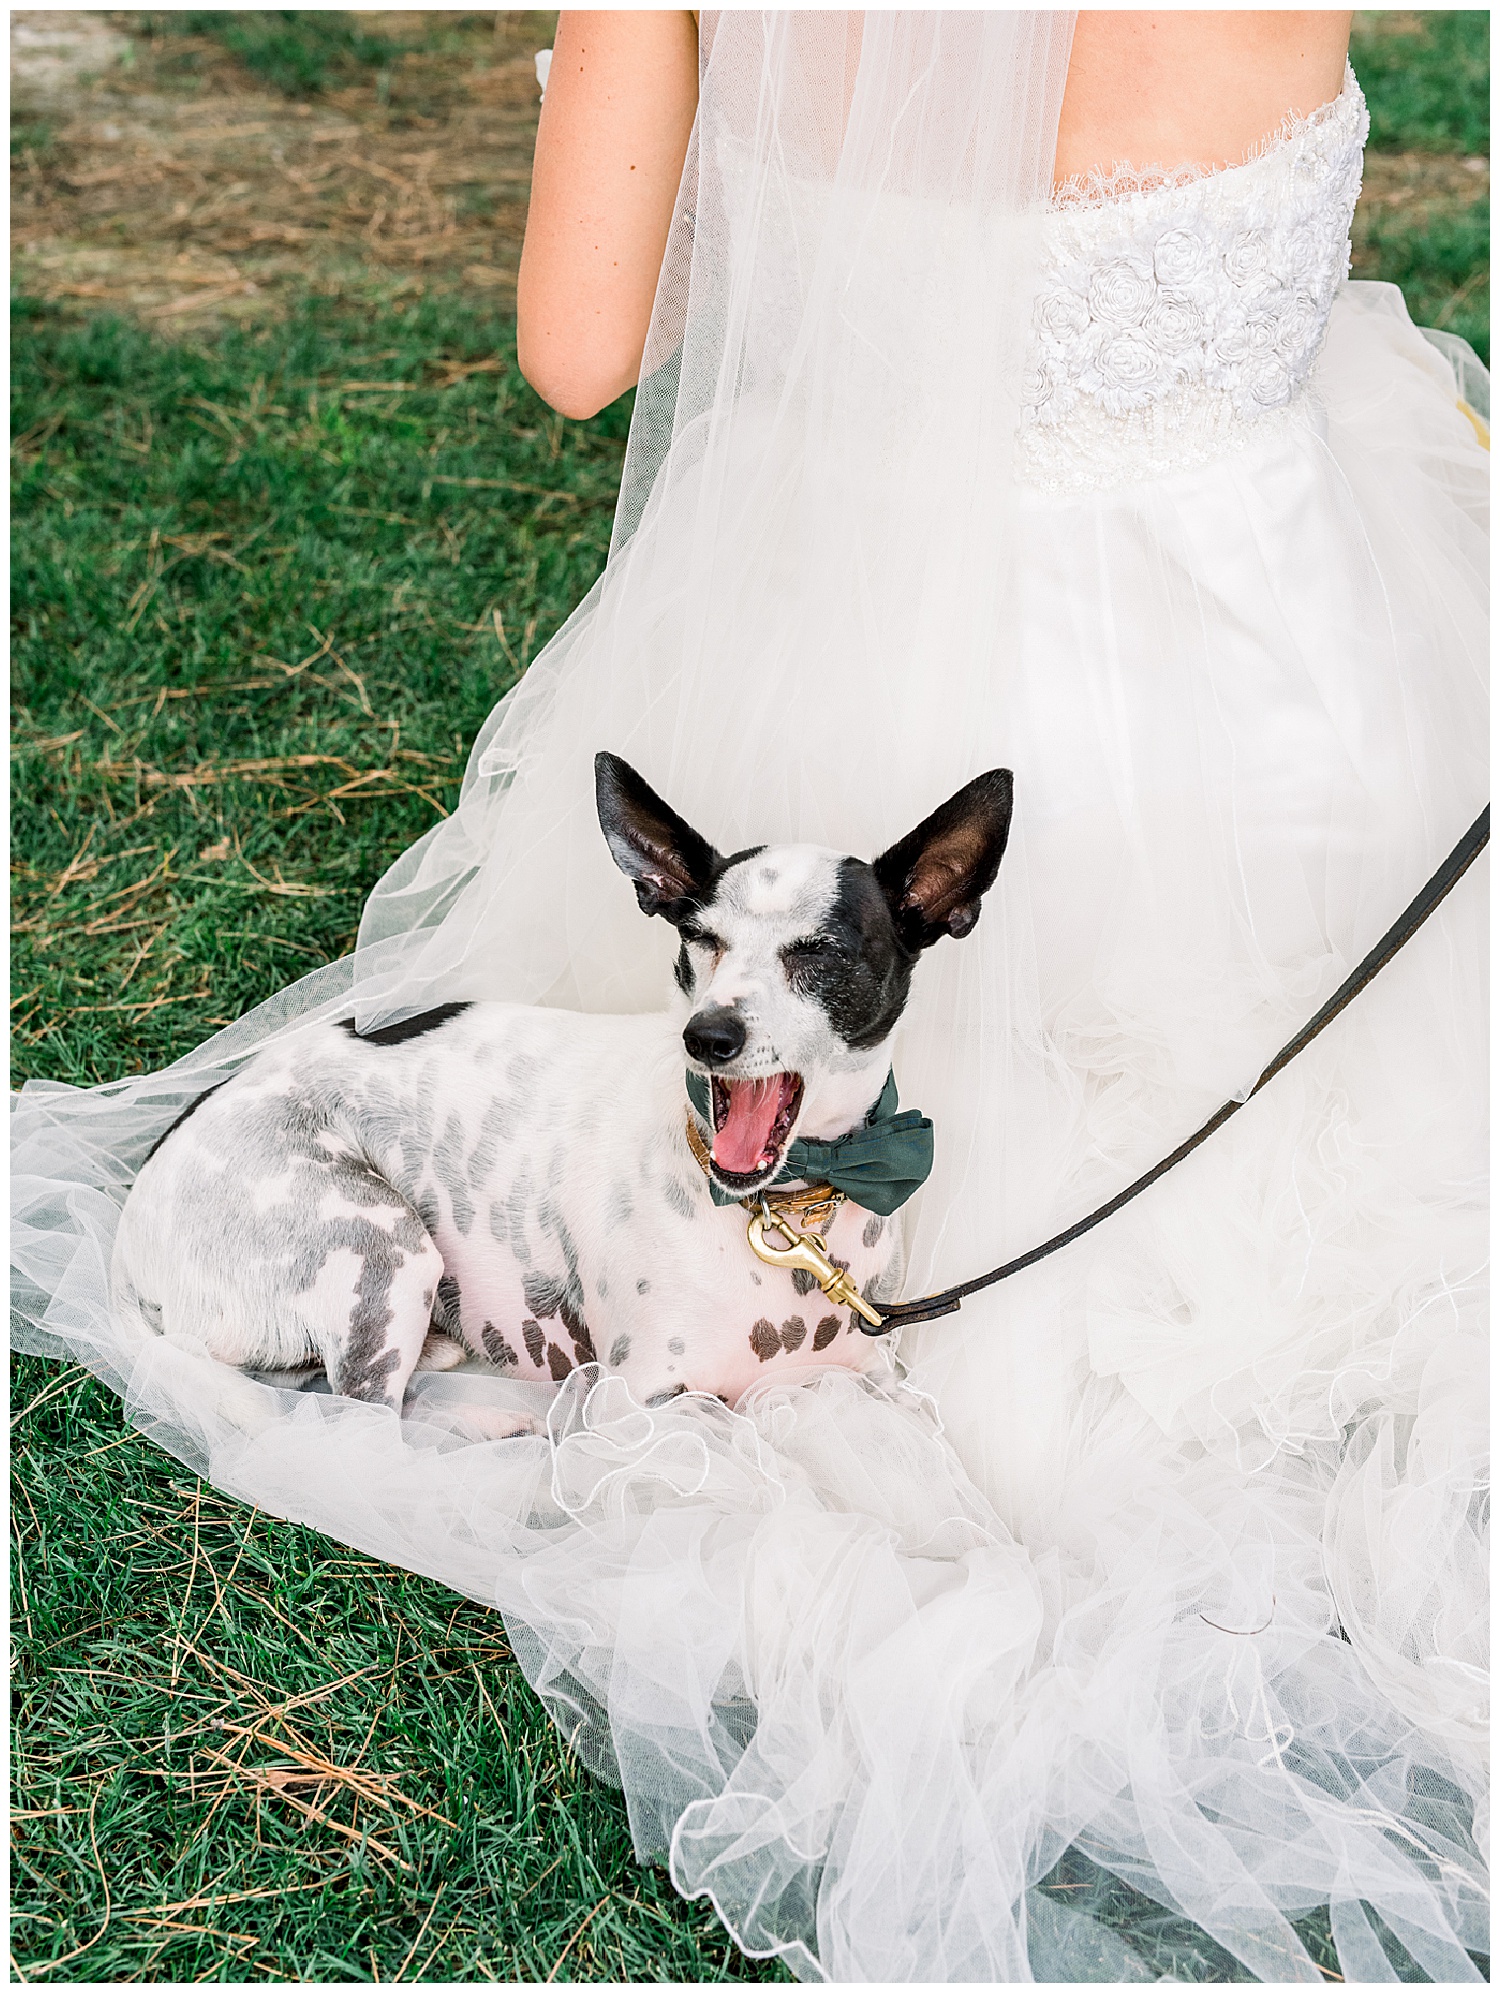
[{"x": 518, "y": 1184}]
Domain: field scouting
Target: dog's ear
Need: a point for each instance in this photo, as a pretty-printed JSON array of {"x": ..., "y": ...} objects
[
  {"x": 936, "y": 876},
  {"x": 666, "y": 860}
]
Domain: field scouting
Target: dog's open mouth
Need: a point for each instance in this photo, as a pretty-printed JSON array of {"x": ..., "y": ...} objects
[{"x": 753, "y": 1122}]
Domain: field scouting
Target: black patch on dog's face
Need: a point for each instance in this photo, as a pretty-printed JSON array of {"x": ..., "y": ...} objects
[
  {"x": 853, "y": 964},
  {"x": 406, "y": 1028}
]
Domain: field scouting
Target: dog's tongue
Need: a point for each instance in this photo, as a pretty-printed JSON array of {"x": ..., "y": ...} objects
[{"x": 746, "y": 1134}]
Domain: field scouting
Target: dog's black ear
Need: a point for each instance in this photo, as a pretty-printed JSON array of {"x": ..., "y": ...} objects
[
  {"x": 670, "y": 865},
  {"x": 936, "y": 876}
]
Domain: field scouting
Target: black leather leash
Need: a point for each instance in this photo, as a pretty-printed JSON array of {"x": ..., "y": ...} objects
[{"x": 896, "y": 1313}]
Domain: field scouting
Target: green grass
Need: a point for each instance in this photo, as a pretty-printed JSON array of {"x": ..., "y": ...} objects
[
  {"x": 1442, "y": 266},
  {"x": 306, "y": 53},
  {"x": 227, "y": 555},
  {"x": 193, "y": 1676},
  {"x": 1426, "y": 79},
  {"x": 299, "y": 52},
  {"x": 31, "y": 134}
]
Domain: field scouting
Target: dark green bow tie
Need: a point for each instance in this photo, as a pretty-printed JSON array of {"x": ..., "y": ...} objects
[{"x": 877, "y": 1165}]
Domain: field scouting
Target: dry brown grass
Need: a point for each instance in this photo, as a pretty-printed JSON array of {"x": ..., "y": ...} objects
[
  {"x": 187, "y": 195},
  {"x": 1419, "y": 186}
]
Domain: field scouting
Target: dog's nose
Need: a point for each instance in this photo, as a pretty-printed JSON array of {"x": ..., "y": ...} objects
[{"x": 714, "y": 1037}]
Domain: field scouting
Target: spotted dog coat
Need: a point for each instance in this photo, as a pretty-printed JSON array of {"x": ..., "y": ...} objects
[{"x": 515, "y": 1182}]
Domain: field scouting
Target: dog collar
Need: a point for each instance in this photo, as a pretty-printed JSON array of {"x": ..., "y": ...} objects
[
  {"x": 878, "y": 1165},
  {"x": 786, "y": 1212}
]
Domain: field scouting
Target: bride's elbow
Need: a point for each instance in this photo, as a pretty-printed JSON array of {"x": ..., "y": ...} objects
[{"x": 575, "y": 383}]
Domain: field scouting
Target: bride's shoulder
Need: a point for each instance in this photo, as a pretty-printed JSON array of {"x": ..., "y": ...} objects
[{"x": 1197, "y": 90}]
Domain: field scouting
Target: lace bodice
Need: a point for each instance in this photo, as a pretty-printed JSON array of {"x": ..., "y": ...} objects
[{"x": 1176, "y": 316}]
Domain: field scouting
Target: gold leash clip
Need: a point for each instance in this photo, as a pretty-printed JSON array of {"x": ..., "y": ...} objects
[{"x": 806, "y": 1253}]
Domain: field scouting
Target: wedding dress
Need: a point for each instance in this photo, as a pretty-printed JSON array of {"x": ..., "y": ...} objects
[{"x": 1164, "y": 1560}]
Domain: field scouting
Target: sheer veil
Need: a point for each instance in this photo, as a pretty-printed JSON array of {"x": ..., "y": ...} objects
[
  {"x": 870, "y": 1657},
  {"x": 835, "y": 353}
]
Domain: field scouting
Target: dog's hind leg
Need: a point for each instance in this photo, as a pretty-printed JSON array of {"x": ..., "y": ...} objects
[{"x": 370, "y": 1272}]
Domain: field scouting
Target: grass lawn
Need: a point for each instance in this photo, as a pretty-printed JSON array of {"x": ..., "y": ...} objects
[
  {"x": 268, "y": 579},
  {"x": 1424, "y": 219},
  {"x": 260, "y": 608}
]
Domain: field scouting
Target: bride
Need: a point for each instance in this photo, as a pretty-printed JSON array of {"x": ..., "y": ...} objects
[{"x": 1145, "y": 1598}]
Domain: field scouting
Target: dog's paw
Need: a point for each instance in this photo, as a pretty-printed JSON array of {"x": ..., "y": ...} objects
[
  {"x": 480, "y": 1422},
  {"x": 476, "y": 1423},
  {"x": 440, "y": 1352},
  {"x": 296, "y": 1377}
]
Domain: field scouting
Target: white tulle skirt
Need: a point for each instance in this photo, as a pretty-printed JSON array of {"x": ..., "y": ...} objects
[{"x": 1169, "y": 1552}]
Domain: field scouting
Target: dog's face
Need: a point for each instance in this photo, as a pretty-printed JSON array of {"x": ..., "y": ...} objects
[{"x": 795, "y": 961}]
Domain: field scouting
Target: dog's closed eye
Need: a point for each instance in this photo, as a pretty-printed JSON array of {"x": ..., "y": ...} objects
[
  {"x": 700, "y": 937},
  {"x": 811, "y": 950}
]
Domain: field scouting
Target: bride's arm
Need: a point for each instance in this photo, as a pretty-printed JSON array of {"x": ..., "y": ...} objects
[{"x": 618, "y": 111}]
